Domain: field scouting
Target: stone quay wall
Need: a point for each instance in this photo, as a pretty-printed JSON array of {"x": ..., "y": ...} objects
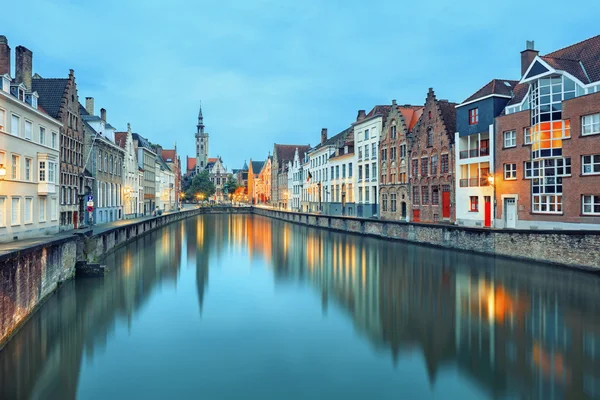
[
  {"x": 574, "y": 249},
  {"x": 29, "y": 275}
]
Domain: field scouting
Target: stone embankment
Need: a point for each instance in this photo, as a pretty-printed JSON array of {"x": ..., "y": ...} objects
[{"x": 574, "y": 249}]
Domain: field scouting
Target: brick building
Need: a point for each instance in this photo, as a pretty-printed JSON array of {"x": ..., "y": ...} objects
[
  {"x": 58, "y": 96},
  {"x": 548, "y": 142},
  {"x": 431, "y": 156},
  {"x": 394, "y": 163}
]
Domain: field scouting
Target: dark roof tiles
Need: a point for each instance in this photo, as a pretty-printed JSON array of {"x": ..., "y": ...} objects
[
  {"x": 495, "y": 86},
  {"x": 51, "y": 92}
]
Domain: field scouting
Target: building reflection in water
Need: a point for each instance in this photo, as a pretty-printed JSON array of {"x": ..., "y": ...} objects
[{"x": 517, "y": 330}]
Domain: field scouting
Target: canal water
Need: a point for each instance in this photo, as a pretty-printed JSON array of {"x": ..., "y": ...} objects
[{"x": 245, "y": 307}]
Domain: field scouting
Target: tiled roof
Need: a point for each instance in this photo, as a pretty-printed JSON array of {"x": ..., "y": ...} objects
[
  {"x": 519, "y": 93},
  {"x": 257, "y": 166},
  {"x": 411, "y": 115},
  {"x": 587, "y": 52},
  {"x": 142, "y": 141},
  {"x": 286, "y": 152},
  {"x": 448, "y": 111},
  {"x": 379, "y": 110},
  {"x": 212, "y": 160},
  {"x": 51, "y": 91},
  {"x": 121, "y": 138},
  {"x": 191, "y": 164},
  {"x": 502, "y": 87},
  {"x": 163, "y": 164},
  {"x": 335, "y": 140},
  {"x": 168, "y": 154}
]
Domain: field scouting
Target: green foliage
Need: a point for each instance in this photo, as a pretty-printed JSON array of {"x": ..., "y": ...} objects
[
  {"x": 201, "y": 184},
  {"x": 231, "y": 185}
]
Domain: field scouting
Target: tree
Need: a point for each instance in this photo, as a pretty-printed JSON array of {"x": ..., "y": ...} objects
[
  {"x": 231, "y": 185},
  {"x": 202, "y": 185}
]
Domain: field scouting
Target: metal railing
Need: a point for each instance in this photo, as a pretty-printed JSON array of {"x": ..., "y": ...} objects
[
  {"x": 474, "y": 182},
  {"x": 479, "y": 152}
]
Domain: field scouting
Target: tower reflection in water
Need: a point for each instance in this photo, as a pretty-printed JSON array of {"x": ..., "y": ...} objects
[{"x": 516, "y": 329}]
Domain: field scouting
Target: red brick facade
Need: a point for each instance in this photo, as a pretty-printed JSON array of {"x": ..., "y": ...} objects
[{"x": 431, "y": 168}]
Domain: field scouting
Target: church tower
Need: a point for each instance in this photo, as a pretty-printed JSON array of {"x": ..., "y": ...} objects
[{"x": 201, "y": 144}]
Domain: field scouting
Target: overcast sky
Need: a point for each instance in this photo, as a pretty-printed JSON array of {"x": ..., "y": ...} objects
[{"x": 278, "y": 71}]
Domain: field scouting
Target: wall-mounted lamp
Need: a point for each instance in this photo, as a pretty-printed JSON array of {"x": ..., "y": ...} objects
[{"x": 2, "y": 172}]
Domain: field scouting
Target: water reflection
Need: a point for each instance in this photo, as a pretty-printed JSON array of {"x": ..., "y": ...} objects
[{"x": 509, "y": 328}]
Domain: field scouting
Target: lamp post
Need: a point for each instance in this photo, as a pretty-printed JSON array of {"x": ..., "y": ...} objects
[{"x": 343, "y": 199}]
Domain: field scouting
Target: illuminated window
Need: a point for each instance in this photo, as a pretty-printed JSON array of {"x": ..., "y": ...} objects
[
  {"x": 590, "y": 204},
  {"x": 546, "y": 183},
  {"x": 473, "y": 203},
  {"x": 473, "y": 116}
]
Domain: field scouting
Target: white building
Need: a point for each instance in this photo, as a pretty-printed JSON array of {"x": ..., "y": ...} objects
[
  {"x": 217, "y": 171},
  {"x": 367, "y": 132},
  {"x": 131, "y": 172},
  {"x": 296, "y": 180},
  {"x": 165, "y": 185},
  {"x": 342, "y": 179},
  {"x": 29, "y": 156}
]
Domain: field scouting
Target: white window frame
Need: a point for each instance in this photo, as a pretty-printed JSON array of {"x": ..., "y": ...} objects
[
  {"x": 592, "y": 201},
  {"x": 594, "y": 162},
  {"x": 42, "y": 136},
  {"x": 3, "y": 211},
  {"x": 54, "y": 138},
  {"x": 15, "y": 131},
  {"x": 42, "y": 168},
  {"x": 51, "y": 172},
  {"x": 510, "y": 139},
  {"x": 42, "y": 206},
  {"x": 593, "y": 124},
  {"x": 2, "y": 119},
  {"x": 510, "y": 172},
  {"x": 29, "y": 135},
  {"x": 15, "y": 170},
  {"x": 28, "y": 167},
  {"x": 54, "y": 209},
  {"x": 12, "y": 207},
  {"x": 28, "y": 219},
  {"x": 527, "y": 136}
]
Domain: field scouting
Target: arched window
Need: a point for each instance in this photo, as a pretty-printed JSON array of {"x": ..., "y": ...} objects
[
  {"x": 393, "y": 130},
  {"x": 429, "y": 137}
]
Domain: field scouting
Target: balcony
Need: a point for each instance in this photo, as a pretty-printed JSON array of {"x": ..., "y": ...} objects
[
  {"x": 480, "y": 152},
  {"x": 45, "y": 188},
  {"x": 474, "y": 182}
]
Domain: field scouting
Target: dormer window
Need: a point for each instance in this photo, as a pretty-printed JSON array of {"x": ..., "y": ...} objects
[
  {"x": 31, "y": 99},
  {"x": 5, "y": 83},
  {"x": 21, "y": 94}
]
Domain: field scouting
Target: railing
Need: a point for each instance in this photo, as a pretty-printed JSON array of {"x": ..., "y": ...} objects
[
  {"x": 484, "y": 151},
  {"x": 473, "y": 182}
]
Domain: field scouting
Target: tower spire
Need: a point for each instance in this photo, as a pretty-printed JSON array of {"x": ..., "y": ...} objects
[{"x": 200, "y": 120}]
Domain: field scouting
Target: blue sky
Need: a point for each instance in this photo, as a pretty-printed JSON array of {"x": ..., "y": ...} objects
[{"x": 278, "y": 71}]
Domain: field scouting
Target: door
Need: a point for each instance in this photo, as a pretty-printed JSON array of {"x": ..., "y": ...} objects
[
  {"x": 487, "y": 219},
  {"x": 446, "y": 204},
  {"x": 416, "y": 215},
  {"x": 75, "y": 219},
  {"x": 510, "y": 213},
  {"x": 404, "y": 210}
]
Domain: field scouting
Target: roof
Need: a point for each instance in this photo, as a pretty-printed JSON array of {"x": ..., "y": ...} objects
[
  {"x": 257, "y": 166},
  {"x": 519, "y": 93},
  {"x": 142, "y": 141},
  {"x": 162, "y": 163},
  {"x": 379, "y": 111},
  {"x": 51, "y": 91},
  {"x": 286, "y": 152},
  {"x": 571, "y": 59},
  {"x": 333, "y": 141},
  {"x": 411, "y": 115},
  {"x": 121, "y": 138},
  {"x": 448, "y": 111},
  {"x": 502, "y": 87},
  {"x": 191, "y": 164},
  {"x": 169, "y": 155},
  {"x": 212, "y": 160}
]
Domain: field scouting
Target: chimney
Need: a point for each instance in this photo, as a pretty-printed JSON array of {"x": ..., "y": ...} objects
[
  {"x": 323, "y": 135},
  {"x": 89, "y": 105},
  {"x": 24, "y": 58},
  {"x": 361, "y": 115},
  {"x": 394, "y": 102},
  {"x": 102, "y": 113},
  {"x": 527, "y": 56},
  {"x": 4, "y": 56},
  {"x": 159, "y": 150}
]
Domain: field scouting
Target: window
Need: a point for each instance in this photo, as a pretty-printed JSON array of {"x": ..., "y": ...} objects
[
  {"x": 28, "y": 129},
  {"x": 42, "y": 205},
  {"x": 424, "y": 195},
  {"x": 590, "y": 124},
  {"x": 415, "y": 167},
  {"x": 343, "y": 170},
  {"x": 42, "y": 136},
  {"x": 2, "y": 120},
  {"x": 16, "y": 211},
  {"x": 28, "y": 210},
  {"x": 527, "y": 135},
  {"x": 548, "y": 168},
  {"x": 393, "y": 155},
  {"x": 360, "y": 172},
  {"x": 360, "y": 152},
  {"x": 429, "y": 114},
  {"x": 473, "y": 203},
  {"x": 15, "y": 123},
  {"x": 374, "y": 170},
  {"x": 383, "y": 154},
  {"x": 54, "y": 137},
  {"x": 366, "y": 194},
  {"x": 434, "y": 164},
  {"x": 28, "y": 169},
  {"x": 366, "y": 134},
  {"x": 429, "y": 137},
  {"x": 349, "y": 170},
  {"x": 51, "y": 172},
  {"x": 444, "y": 164},
  {"x": 384, "y": 202},
  {"x": 366, "y": 171},
  {"x": 435, "y": 195},
  {"x": 590, "y": 205},
  {"x": 590, "y": 165},
  {"x": 510, "y": 139},
  {"x": 360, "y": 195},
  {"x": 402, "y": 150},
  {"x": 42, "y": 170},
  {"x": 373, "y": 150},
  {"x": 416, "y": 199},
  {"x": 337, "y": 172},
  {"x": 53, "y": 209},
  {"x": 424, "y": 166},
  {"x": 393, "y": 201},
  {"x": 473, "y": 116},
  {"x": 393, "y": 131},
  {"x": 510, "y": 172},
  {"x": 16, "y": 167},
  {"x": 2, "y": 211},
  {"x": 366, "y": 151}
]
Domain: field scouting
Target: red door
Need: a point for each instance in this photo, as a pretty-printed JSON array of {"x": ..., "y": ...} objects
[
  {"x": 75, "y": 219},
  {"x": 416, "y": 215},
  {"x": 487, "y": 221},
  {"x": 446, "y": 204}
]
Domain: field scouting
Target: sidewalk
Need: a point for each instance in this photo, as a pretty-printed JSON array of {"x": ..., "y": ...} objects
[{"x": 19, "y": 245}]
